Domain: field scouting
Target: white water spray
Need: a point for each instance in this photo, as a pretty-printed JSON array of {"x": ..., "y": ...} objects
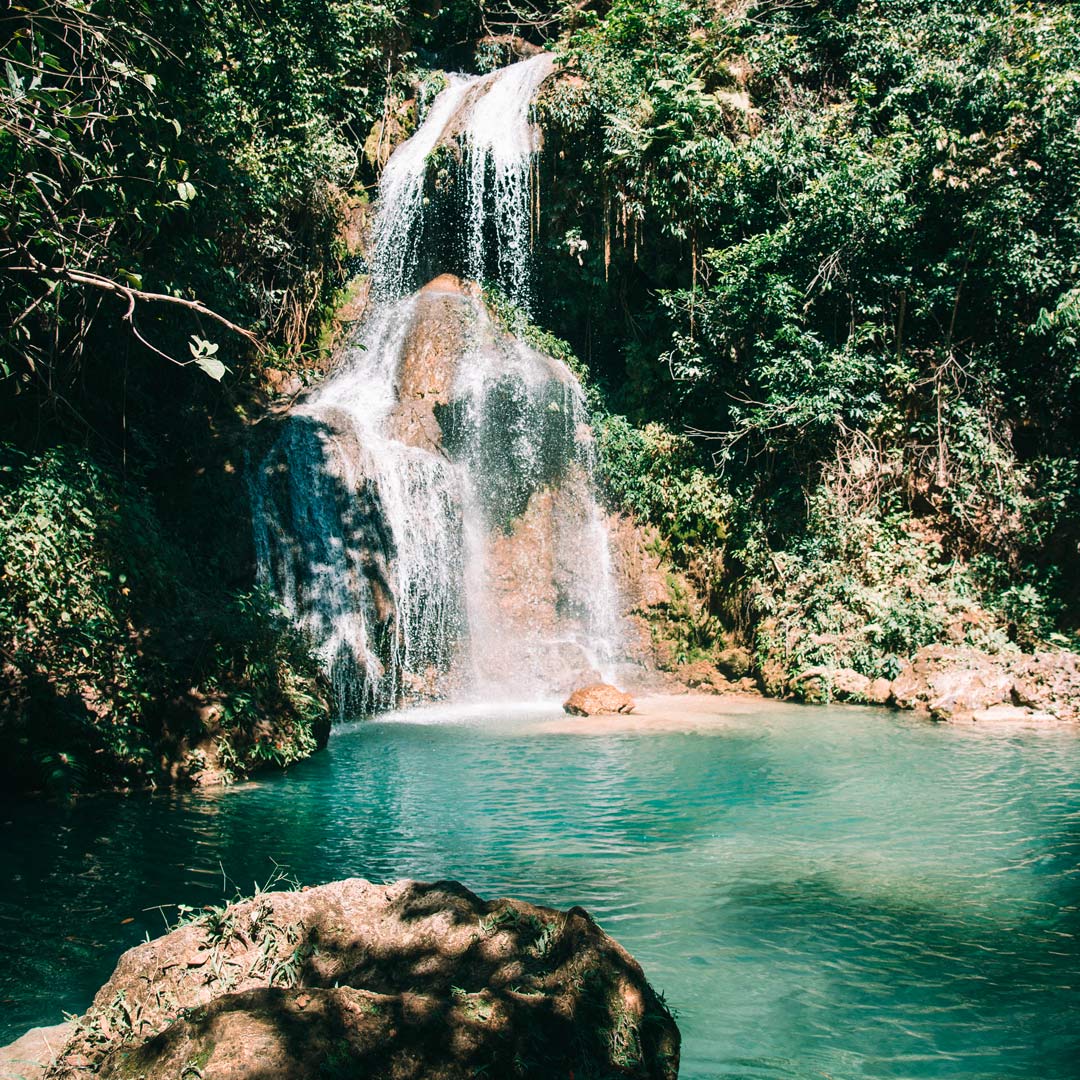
[
  {"x": 499, "y": 185},
  {"x": 486, "y": 120},
  {"x": 398, "y": 229},
  {"x": 427, "y": 514}
]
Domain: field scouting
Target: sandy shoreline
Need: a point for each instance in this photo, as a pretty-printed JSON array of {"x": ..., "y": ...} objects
[
  {"x": 672, "y": 712},
  {"x": 666, "y": 712}
]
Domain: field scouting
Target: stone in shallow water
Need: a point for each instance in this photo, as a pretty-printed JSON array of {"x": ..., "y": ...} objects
[
  {"x": 596, "y": 699},
  {"x": 398, "y": 981}
]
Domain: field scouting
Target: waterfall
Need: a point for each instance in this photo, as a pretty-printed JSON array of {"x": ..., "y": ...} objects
[
  {"x": 485, "y": 120},
  {"x": 399, "y": 222},
  {"x": 498, "y": 184},
  {"x": 427, "y": 514},
  {"x": 358, "y": 532}
]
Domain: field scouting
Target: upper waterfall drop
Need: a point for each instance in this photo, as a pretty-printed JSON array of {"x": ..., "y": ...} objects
[
  {"x": 398, "y": 228},
  {"x": 499, "y": 155},
  {"x": 428, "y": 512},
  {"x": 485, "y": 122}
]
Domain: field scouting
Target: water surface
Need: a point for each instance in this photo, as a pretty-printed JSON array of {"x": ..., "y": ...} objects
[{"x": 820, "y": 893}]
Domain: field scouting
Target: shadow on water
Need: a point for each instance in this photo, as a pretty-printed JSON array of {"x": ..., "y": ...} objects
[{"x": 914, "y": 974}]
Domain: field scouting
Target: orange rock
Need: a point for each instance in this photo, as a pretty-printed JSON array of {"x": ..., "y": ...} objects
[
  {"x": 596, "y": 699},
  {"x": 357, "y": 979}
]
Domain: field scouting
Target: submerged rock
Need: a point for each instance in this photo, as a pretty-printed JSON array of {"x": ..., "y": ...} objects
[
  {"x": 1008, "y": 714},
  {"x": 406, "y": 980},
  {"x": 596, "y": 699}
]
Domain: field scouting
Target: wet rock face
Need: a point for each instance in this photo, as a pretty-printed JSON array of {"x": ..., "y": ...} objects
[
  {"x": 398, "y": 981},
  {"x": 429, "y": 511},
  {"x": 658, "y": 608},
  {"x": 434, "y": 343},
  {"x": 533, "y": 578},
  {"x": 643, "y": 588},
  {"x": 597, "y": 699}
]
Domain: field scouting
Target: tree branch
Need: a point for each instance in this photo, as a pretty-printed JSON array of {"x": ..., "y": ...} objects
[{"x": 133, "y": 295}]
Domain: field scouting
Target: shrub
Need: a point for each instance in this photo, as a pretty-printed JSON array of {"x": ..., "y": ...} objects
[
  {"x": 860, "y": 592},
  {"x": 105, "y": 624}
]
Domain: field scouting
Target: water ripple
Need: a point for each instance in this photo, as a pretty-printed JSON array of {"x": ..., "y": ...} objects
[{"x": 821, "y": 894}]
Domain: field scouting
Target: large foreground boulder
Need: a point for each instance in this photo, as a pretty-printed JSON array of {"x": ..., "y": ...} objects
[{"x": 406, "y": 981}]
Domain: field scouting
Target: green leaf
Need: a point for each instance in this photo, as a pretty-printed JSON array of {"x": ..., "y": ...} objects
[
  {"x": 213, "y": 367},
  {"x": 14, "y": 81},
  {"x": 186, "y": 190}
]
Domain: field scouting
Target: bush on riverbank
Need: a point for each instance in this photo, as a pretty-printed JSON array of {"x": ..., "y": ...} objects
[
  {"x": 860, "y": 593},
  {"x": 121, "y": 660}
]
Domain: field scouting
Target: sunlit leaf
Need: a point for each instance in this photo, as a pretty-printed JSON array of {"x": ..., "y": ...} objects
[{"x": 212, "y": 366}]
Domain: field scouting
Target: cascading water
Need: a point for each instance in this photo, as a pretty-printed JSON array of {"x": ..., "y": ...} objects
[
  {"x": 398, "y": 231},
  {"x": 498, "y": 187},
  {"x": 358, "y": 532},
  {"x": 485, "y": 120},
  {"x": 428, "y": 514}
]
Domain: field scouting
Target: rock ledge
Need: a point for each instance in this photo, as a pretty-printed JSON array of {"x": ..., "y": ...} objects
[{"x": 962, "y": 685}]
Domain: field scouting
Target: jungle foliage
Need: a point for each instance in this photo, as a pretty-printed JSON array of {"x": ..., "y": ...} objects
[
  {"x": 157, "y": 156},
  {"x": 174, "y": 178},
  {"x": 840, "y": 244},
  {"x": 118, "y": 661}
]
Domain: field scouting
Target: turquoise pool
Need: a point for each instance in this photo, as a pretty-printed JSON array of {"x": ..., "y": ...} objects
[{"x": 820, "y": 893}]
